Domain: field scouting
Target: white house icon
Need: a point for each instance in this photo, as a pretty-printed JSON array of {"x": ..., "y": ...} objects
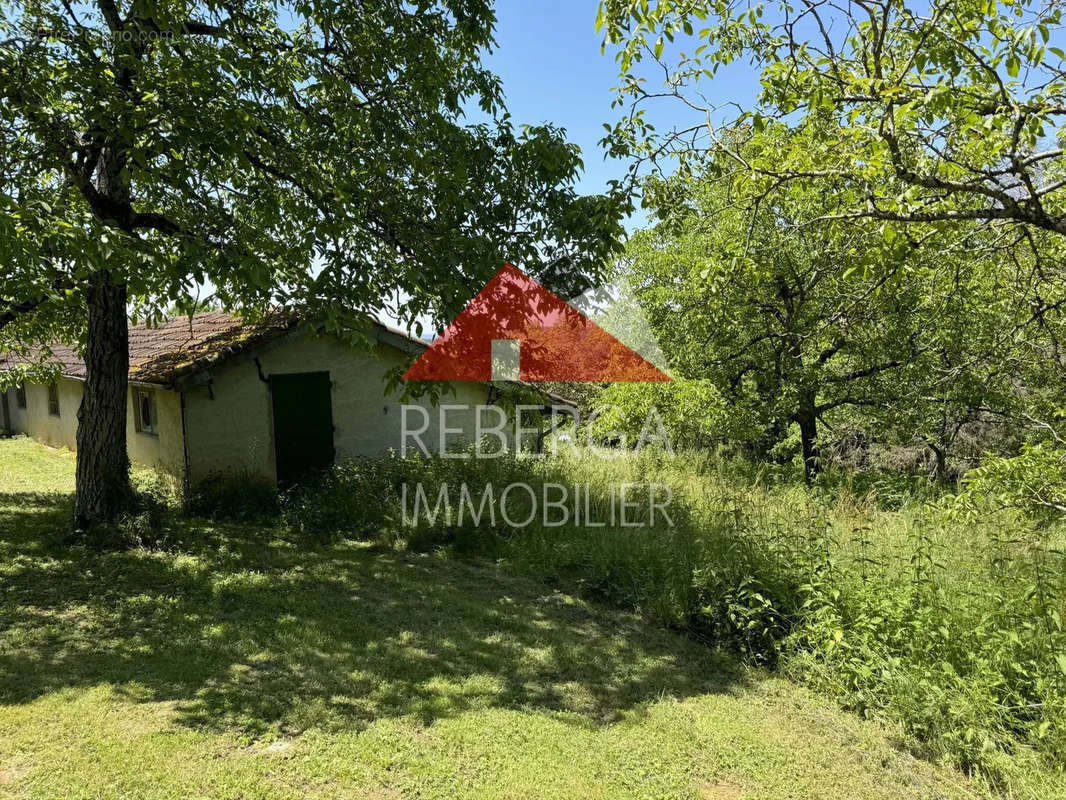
[{"x": 506, "y": 361}]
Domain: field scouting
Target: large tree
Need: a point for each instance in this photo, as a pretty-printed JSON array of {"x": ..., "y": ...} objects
[
  {"x": 947, "y": 110},
  {"x": 800, "y": 323},
  {"x": 325, "y": 155}
]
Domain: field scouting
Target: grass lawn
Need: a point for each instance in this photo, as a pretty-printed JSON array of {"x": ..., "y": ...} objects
[{"x": 242, "y": 662}]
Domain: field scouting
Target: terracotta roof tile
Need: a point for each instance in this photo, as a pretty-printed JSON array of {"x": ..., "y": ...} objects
[
  {"x": 178, "y": 347},
  {"x": 184, "y": 346}
]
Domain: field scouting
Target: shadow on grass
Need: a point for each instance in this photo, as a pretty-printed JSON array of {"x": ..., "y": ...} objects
[{"x": 247, "y": 628}]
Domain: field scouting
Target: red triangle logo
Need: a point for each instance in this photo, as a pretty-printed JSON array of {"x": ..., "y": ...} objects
[{"x": 515, "y": 329}]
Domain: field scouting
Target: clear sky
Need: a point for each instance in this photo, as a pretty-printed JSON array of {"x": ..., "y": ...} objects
[{"x": 550, "y": 63}]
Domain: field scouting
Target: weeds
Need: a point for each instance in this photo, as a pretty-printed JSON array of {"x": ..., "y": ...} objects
[
  {"x": 951, "y": 629},
  {"x": 233, "y": 496}
]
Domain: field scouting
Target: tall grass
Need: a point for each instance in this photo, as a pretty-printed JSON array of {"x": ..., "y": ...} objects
[{"x": 951, "y": 628}]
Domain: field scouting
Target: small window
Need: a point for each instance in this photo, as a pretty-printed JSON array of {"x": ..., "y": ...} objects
[
  {"x": 53, "y": 399},
  {"x": 144, "y": 411},
  {"x": 20, "y": 396}
]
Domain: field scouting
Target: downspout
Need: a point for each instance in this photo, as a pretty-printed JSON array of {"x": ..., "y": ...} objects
[
  {"x": 259, "y": 369},
  {"x": 186, "y": 483}
]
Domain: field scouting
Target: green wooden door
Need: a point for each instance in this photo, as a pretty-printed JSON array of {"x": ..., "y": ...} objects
[{"x": 303, "y": 424}]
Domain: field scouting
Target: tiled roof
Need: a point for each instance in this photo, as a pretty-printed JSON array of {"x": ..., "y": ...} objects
[
  {"x": 184, "y": 346},
  {"x": 178, "y": 347}
]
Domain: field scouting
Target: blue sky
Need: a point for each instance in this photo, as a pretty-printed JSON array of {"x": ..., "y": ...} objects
[{"x": 549, "y": 60}]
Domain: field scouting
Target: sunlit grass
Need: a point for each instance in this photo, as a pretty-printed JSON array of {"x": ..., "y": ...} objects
[
  {"x": 247, "y": 662},
  {"x": 866, "y": 587}
]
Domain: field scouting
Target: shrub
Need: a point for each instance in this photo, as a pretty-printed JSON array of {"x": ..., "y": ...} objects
[
  {"x": 354, "y": 499},
  {"x": 146, "y": 520},
  {"x": 951, "y": 629},
  {"x": 233, "y": 496},
  {"x": 691, "y": 412},
  {"x": 1032, "y": 484}
]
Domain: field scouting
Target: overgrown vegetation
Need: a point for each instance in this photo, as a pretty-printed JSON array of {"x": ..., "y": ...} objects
[
  {"x": 251, "y": 661},
  {"x": 951, "y": 627},
  {"x": 894, "y": 597}
]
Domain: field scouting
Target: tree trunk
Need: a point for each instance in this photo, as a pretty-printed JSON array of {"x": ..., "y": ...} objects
[
  {"x": 940, "y": 465},
  {"x": 102, "y": 480},
  {"x": 808, "y": 425}
]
